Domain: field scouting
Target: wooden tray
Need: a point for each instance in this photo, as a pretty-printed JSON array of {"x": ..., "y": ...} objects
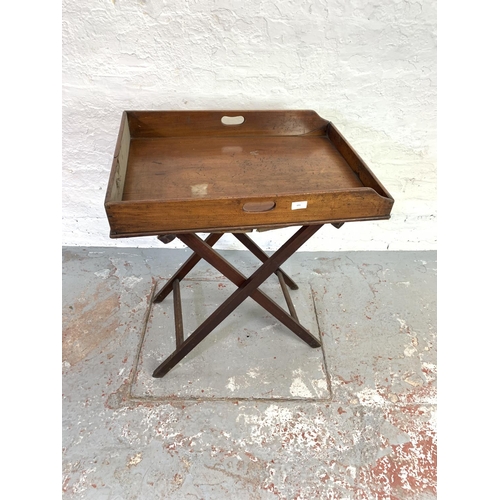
[{"x": 188, "y": 171}]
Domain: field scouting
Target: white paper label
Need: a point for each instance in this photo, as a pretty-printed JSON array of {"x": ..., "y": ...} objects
[{"x": 296, "y": 205}]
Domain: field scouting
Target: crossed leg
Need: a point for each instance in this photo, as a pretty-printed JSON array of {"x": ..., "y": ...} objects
[
  {"x": 211, "y": 240},
  {"x": 247, "y": 287}
]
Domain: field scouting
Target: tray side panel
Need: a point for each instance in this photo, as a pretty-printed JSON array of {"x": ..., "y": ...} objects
[
  {"x": 148, "y": 218},
  {"x": 120, "y": 163},
  {"x": 366, "y": 176},
  {"x": 201, "y": 123}
]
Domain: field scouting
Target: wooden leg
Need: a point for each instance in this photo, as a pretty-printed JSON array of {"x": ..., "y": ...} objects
[
  {"x": 223, "y": 266},
  {"x": 286, "y": 293},
  {"x": 211, "y": 240},
  {"x": 246, "y": 289},
  {"x": 179, "y": 329}
]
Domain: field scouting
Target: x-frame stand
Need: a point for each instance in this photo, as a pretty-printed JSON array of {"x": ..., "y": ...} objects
[{"x": 247, "y": 287}]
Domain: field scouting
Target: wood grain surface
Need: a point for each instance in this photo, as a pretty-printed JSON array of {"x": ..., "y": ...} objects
[
  {"x": 229, "y": 167},
  {"x": 186, "y": 171}
]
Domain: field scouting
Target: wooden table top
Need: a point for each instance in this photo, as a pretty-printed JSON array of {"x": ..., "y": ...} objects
[
  {"x": 202, "y": 171},
  {"x": 169, "y": 168}
]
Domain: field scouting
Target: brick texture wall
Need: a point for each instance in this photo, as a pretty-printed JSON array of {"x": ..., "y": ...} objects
[{"x": 369, "y": 67}]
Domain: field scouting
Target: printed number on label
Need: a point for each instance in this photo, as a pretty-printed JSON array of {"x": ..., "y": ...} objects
[{"x": 296, "y": 205}]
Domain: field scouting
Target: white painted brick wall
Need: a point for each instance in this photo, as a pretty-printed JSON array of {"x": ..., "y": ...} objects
[{"x": 369, "y": 67}]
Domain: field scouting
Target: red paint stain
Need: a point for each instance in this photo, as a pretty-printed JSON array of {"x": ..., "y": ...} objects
[
  {"x": 65, "y": 484},
  {"x": 410, "y": 468},
  {"x": 356, "y": 378},
  {"x": 253, "y": 458},
  {"x": 428, "y": 371},
  {"x": 272, "y": 489},
  {"x": 420, "y": 394},
  {"x": 324, "y": 478}
]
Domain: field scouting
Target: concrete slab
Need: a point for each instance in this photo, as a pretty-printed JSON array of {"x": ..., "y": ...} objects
[
  {"x": 372, "y": 437},
  {"x": 247, "y": 356},
  {"x": 381, "y": 313}
]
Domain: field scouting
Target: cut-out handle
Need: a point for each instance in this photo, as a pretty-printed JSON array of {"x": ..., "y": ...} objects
[
  {"x": 232, "y": 120},
  {"x": 259, "y": 206}
]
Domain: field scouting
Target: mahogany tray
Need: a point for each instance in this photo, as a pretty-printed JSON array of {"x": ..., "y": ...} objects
[{"x": 179, "y": 172}]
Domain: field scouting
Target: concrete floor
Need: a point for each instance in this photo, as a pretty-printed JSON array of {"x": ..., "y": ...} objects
[{"x": 252, "y": 412}]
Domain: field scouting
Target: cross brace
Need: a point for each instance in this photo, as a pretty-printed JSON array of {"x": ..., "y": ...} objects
[{"x": 247, "y": 287}]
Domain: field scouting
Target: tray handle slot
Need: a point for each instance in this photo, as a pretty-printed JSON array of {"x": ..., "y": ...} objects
[
  {"x": 259, "y": 206},
  {"x": 232, "y": 120}
]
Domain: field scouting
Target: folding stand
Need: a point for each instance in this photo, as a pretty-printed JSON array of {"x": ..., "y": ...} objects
[{"x": 247, "y": 287}]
